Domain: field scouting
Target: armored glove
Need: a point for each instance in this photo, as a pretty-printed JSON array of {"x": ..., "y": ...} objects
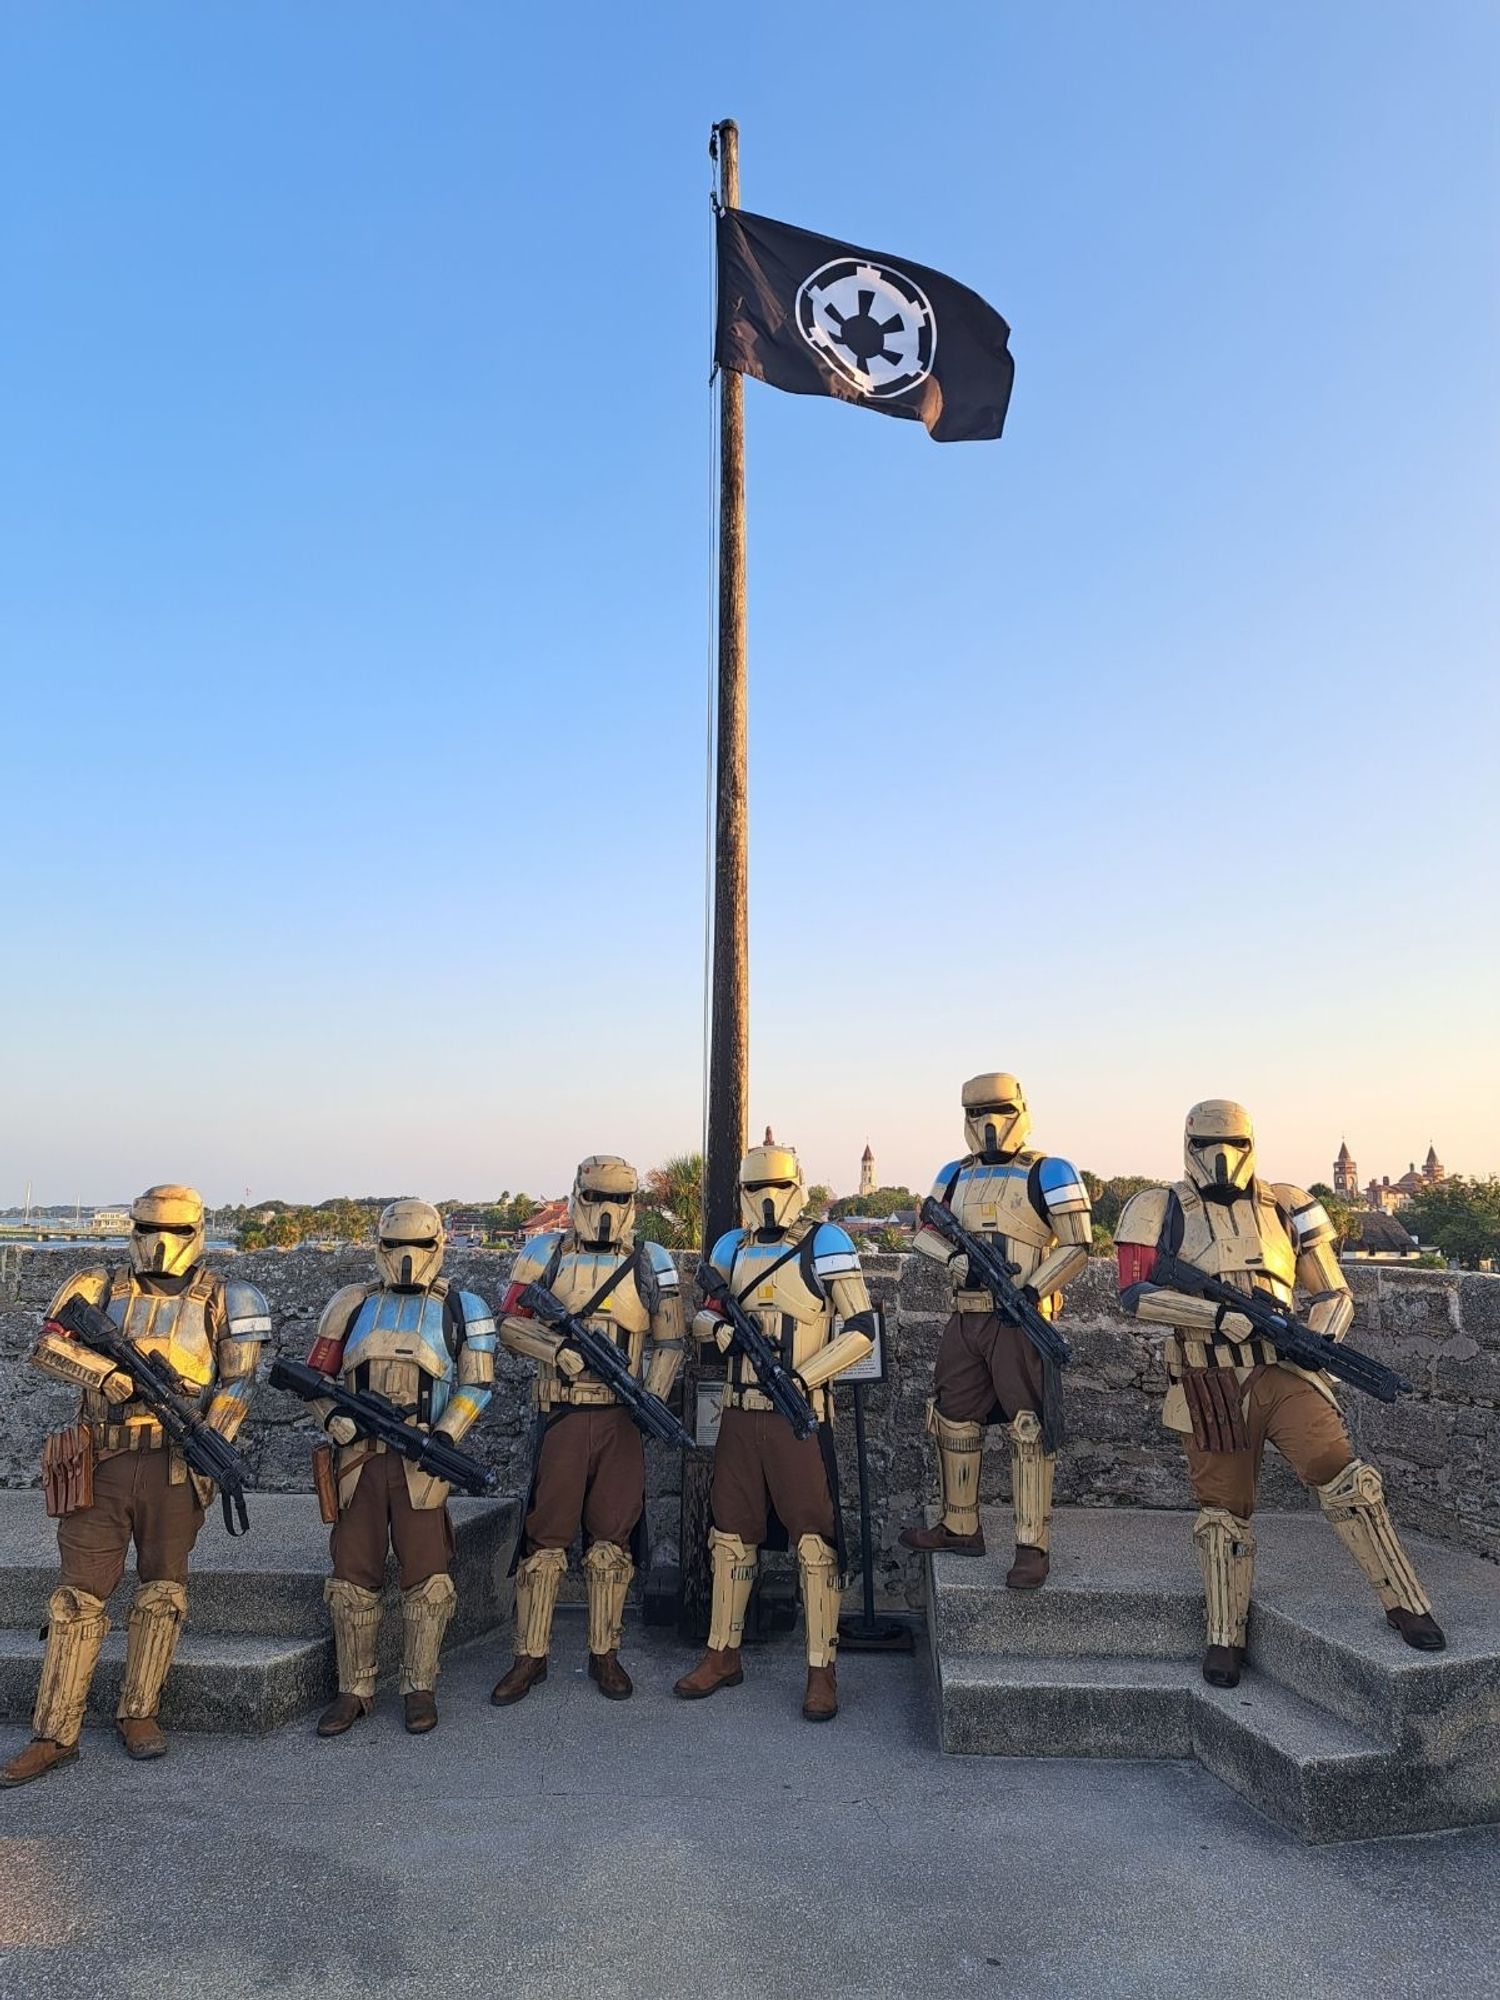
[{"x": 342, "y": 1429}]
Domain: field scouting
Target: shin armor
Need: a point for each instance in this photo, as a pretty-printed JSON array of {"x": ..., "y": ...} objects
[
  {"x": 734, "y": 1573},
  {"x": 76, "y": 1625},
  {"x": 156, "y": 1618},
  {"x": 355, "y": 1615},
  {"x": 1031, "y": 1471},
  {"x": 537, "y": 1581},
  {"x": 960, "y": 1448},
  {"x": 426, "y": 1611},
  {"x": 1226, "y": 1554},
  {"x": 819, "y": 1566},
  {"x": 1354, "y": 1503},
  {"x": 608, "y": 1570}
]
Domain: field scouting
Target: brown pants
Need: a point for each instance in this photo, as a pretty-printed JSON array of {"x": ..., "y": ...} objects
[
  {"x": 983, "y": 1360},
  {"x": 133, "y": 1500},
  {"x": 380, "y": 1514},
  {"x": 1287, "y": 1411},
  {"x": 758, "y": 1460},
  {"x": 590, "y": 1474}
]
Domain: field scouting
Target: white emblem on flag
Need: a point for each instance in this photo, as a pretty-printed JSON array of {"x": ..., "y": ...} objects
[{"x": 870, "y": 323}]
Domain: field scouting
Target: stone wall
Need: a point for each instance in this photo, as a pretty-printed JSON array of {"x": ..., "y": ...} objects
[{"x": 1439, "y": 1448}]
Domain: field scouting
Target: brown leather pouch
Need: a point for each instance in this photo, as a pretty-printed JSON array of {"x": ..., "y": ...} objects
[
  {"x": 325, "y": 1483},
  {"x": 68, "y": 1471}
]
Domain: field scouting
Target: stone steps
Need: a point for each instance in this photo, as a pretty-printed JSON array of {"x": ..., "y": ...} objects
[
  {"x": 255, "y": 1651},
  {"x": 1337, "y": 1729}
]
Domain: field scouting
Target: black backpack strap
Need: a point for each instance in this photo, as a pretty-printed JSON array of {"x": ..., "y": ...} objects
[
  {"x": 1034, "y": 1192},
  {"x": 771, "y": 1269},
  {"x": 455, "y": 1328}
]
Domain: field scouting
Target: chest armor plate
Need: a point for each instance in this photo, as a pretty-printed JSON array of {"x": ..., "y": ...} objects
[
  {"x": 580, "y": 1275},
  {"x": 398, "y": 1336},
  {"x": 1239, "y": 1241},
  {"x": 176, "y": 1329},
  {"x": 993, "y": 1202},
  {"x": 779, "y": 1297}
]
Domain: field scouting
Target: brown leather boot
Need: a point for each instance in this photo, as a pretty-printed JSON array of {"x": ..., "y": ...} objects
[
  {"x": 719, "y": 1668},
  {"x": 40, "y": 1756},
  {"x": 941, "y": 1540},
  {"x": 420, "y": 1706},
  {"x": 821, "y": 1702},
  {"x": 142, "y": 1738},
  {"x": 525, "y": 1671},
  {"x": 342, "y": 1713},
  {"x": 1221, "y": 1665},
  {"x": 1419, "y": 1629},
  {"x": 1029, "y": 1570},
  {"x": 610, "y": 1677}
]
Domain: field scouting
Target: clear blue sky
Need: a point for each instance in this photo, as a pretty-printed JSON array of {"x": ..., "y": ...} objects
[{"x": 353, "y": 588}]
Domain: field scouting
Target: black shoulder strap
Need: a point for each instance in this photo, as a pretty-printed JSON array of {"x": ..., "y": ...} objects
[
  {"x": 554, "y": 1265},
  {"x": 1034, "y": 1192},
  {"x": 455, "y": 1329},
  {"x": 598, "y": 1298},
  {"x": 647, "y": 1283},
  {"x": 1173, "y": 1224},
  {"x": 958, "y": 1168}
]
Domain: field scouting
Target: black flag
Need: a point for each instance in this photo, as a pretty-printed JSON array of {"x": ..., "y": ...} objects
[{"x": 820, "y": 318}]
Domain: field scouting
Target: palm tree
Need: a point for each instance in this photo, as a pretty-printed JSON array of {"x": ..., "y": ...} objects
[{"x": 675, "y": 1188}]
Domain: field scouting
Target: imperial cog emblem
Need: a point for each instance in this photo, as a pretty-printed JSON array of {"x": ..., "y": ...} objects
[{"x": 870, "y": 323}]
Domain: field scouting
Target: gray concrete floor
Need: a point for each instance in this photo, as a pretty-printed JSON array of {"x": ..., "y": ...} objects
[{"x": 573, "y": 1847}]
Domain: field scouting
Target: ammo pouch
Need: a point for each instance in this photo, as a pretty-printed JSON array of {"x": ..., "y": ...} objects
[
  {"x": 325, "y": 1483},
  {"x": 68, "y": 1471}
]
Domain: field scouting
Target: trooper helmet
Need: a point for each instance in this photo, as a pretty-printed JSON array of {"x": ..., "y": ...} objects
[
  {"x": 995, "y": 1116},
  {"x": 772, "y": 1195},
  {"x": 603, "y": 1202},
  {"x": 1219, "y": 1148},
  {"x": 409, "y": 1245},
  {"x": 166, "y": 1231}
]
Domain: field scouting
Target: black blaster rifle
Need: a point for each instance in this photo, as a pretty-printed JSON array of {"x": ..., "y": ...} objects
[
  {"x": 990, "y": 1272},
  {"x": 602, "y": 1358},
  {"x": 1291, "y": 1337},
  {"x": 207, "y": 1451},
  {"x": 776, "y": 1381},
  {"x": 376, "y": 1417}
]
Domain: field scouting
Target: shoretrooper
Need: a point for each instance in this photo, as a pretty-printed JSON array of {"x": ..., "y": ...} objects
[
  {"x": 1035, "y": 1209},
  {"x": 429, "y": 1348},
  {"x": 801, "y": 1283},
  {"x": 132, "y": 1482},
  {"x": 589, "y": 1469},
  {"x": 1229, "y": 1390}
]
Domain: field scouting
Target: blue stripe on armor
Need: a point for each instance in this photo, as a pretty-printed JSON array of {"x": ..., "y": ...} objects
[{"x": 1055, "y": 1173}]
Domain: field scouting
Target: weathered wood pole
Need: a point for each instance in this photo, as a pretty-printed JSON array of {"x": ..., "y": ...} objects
[
  {"x": 729, "y": 1036},
  {"x": 729, "y": 1031}
]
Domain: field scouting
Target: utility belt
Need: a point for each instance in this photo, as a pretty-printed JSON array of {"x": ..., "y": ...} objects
[
  {"x": 579, "y": 1396},
  {"x": 756, "y": 1399},
  {"x": 130, "y": 1437},
  {"x": 1184, "y": 1353}
]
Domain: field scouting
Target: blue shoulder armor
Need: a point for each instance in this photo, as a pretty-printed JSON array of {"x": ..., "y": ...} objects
[
  {"x": 725, "y": 1251},
  {"x": 246, "y": 1312},
  {"x": 662, "y": 1266},
  {"x": 1062, "y": 1186},
  {"x": 478, "y": 1318},
  {"x": 833, "y": 1251},
  {"x": 944, "y": 1176}
]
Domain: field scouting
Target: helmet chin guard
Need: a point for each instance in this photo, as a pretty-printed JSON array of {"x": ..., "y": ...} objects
[{"x": 409, "y": 1245}]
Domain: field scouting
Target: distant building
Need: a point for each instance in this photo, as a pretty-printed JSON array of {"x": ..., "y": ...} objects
[
  {"x": 1377, "y": 1236},
  {"x": 867, "y": 1180},
  {"x": 112, "y": 1221},
  {"x": 465, "y": 1229},
  {"x": 1385, "y": 1196},
  {"x": 551, "y": 1215}
]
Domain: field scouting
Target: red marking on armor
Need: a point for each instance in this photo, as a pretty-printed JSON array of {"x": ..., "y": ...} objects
[
  {"x": 1136, "y": 1262},
  {"x": 58, "y": 1332},
  {"x": 511, "y": 1303},
  {"x": 327, "y": 1355}
]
